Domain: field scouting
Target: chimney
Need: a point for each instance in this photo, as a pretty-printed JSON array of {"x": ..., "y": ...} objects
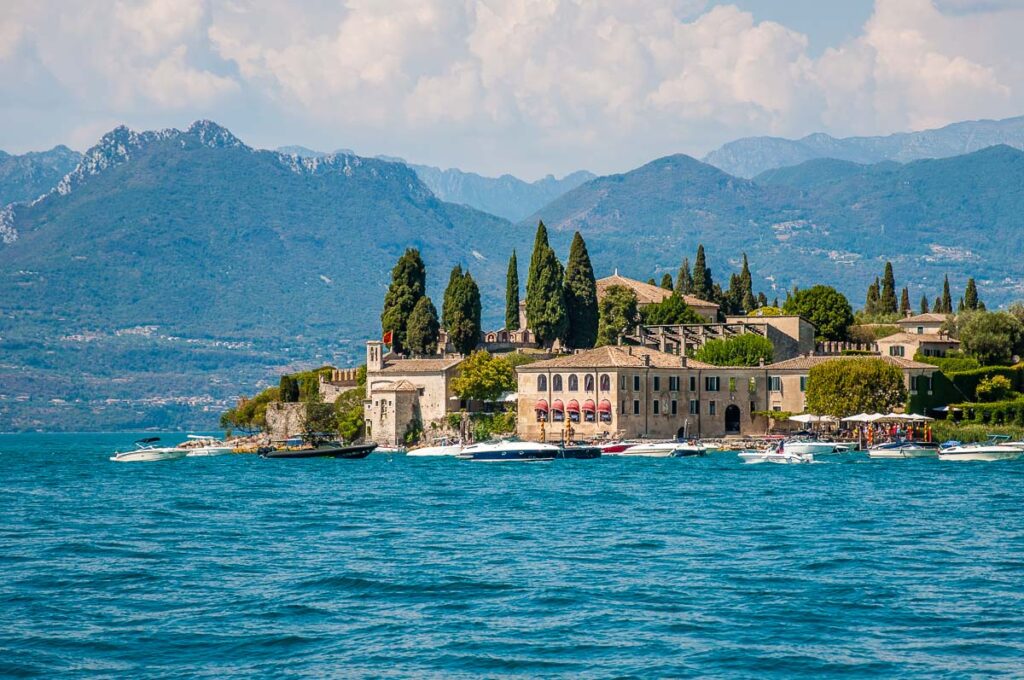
[
  {"x": 682, "y": 360},
  {"x": 647, "y": 360},
  {"x": 629, "y": 350},
  {"x": 760, "y": 362}
]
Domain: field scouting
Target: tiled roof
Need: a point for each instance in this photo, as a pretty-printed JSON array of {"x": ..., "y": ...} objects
[
  {"x": 646, "y": 293},
  {"x": 911, "y": 338},
  {"x": 614, "y": 357},
  {"x": 923, "y": 318},
  {"x": 399, "y": 366},
  {"x": 806, "y": 362}
]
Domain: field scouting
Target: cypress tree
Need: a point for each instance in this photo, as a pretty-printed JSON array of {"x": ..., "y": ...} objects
[
  {"x": 512, "y": 294},
  {"x": 924, "y": 303},
  {"x": 545, "y": 299},
  {"x": 422, "y": 331},
  {"x": 651, "y": 282},
  {"x": 947, "y": 299},
  {"x": 971, "y": 294},
  {"x": 871, "y": 302},
  {"x": 451, "y": 293},
  {"x": 762, "y": 300},
  {"x": 937, "y": 306},
  {"x": 960, "y": 305},
  {"x": 288, "y": 390},
  {"x": 580, "y": 293},
  {"x": 408, "y": 285},
  {"x": 462, "y": 314},
  {"x": 747, "y": 302},
  {"x": 684, "y": 281},
  {"x": 666, "y": 280},
  {"x": 887, "y": 298},
  {"x": 905, "y": 302},
  {"x": 703, "y": 287}
]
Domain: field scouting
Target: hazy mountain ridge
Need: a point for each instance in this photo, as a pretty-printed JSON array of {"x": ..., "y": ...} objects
[
  {"x": 751, "y": 156},
  {"x": 27, "y": 176}
]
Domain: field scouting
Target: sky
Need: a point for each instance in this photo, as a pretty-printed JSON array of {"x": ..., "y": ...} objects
[{"x": 528, "y": 87}]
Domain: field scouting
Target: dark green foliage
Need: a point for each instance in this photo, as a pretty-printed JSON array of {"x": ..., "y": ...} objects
[
  {"x": 580, "y": 293},
  {"x": 971, "y": 295},
  {"x": 924, "y": 304},
  {"x": 1010, "y": 412},
  {"x": 684, "y": 280},
  {"x": 747, "y": 301},
  {"x": 319, "y": 422},
  {"x": 947, "y": 300},
  {"x": 905, "y": 302},
  {"x": 250, "y": 414},
  {"x": 512, "y": 294},
  {"x": 348, "y": 411},
  {"x": 288, "y": 389},
  {"x": 546, "y": 313},
  {"x": 871, "y": 301},
  {"x": 937, "y": 306},
  {"x": 666, "y": 281},
  {"x": 954, "y": 362},
  {"x": 825, "y": 307},
  {"x": 422, "y": 329},
  {"x": 703, "y": 286},
  {"x": 762, "y": 300},
  {"x": 742, "y": 350},
  {"x": 842, "y": 387},
  {"x": 887, "y": 303},
  {"x": 990, "y": 337},
  {"x": 483, "y": 377},
  {"x": 462, "y": 311},
  {"x": 408, "y": 285},
  {"x": 617, "y": 311},
  {"x": 651, "y": 282},
  {"x": 670, "y": 311},
  {"x": 995, "y": 388}
]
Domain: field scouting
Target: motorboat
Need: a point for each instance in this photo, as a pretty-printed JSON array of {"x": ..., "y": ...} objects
[
  {"x": 146, "y": 451},
  {"x": 815, "y": 447},
  {"x": 652, "y": 449},
  {"x": 690, "y": 450},
  {"x": 779, "y": 454},
  {"x": 391, "y": 449},
  {"x": 445, "y": 447},
  {"x": 998, "y": 447},
  {"x": 904, "y": 449},
  {"x": 579, "y": 452},
  {"x": 328, "y": 450},
  {"x": 616, "y": 447},
  {"x": 202, "y": 445},
  {"x": 509, "y": 450}
]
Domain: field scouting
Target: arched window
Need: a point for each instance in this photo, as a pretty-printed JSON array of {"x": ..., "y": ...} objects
[
  {"x": 542, "y": 383},
  {"x": 588, "y": 383},
  {"x": 556, "y": 383},
  {"x": 574, "y": 383},
  {"x": 606, "y": 383}
]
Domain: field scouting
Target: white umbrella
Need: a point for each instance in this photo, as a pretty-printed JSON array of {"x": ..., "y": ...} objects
[
  {"x": 874, "y": 418},
  {"x": 828, "y": 419},
  {"x": 806, "y": 418},
  {"x": 913, "y": 417},
  {"x": 859, "y": 418}
]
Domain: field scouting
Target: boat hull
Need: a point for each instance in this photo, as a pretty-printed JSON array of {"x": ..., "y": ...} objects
[
  {"x": 689, "y": 452},
  {"x": 209, "y": 451},
  {"x": 902, "y": 452},
  {"x": 813, "y": 448},
  {"x": 756, "y": 457},
  {"x": 450, "y": 450},
  {"x": 579, "y": 452},
  {"x": 512, "y": 456},
  {"x": 349, "y": 452},
  {"x": 982, "y": 454},
  {"x": 149, "y": 455}
]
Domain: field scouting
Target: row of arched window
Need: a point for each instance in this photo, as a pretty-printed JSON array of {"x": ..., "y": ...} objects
[{"x": 572, "y": 383}]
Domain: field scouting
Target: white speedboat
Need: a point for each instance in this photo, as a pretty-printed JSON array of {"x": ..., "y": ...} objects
[
  {"x": 201, "y": 445},
  {"x": 689, "y": 450},
  {"x": 508, "y": 451},
  {"x": 904, "y": 449},
  {"x": 391, "y": 449},
  {"x": 776, "y": 454},
  {"x": 998, "y": 447},
  {"x": 145, "y": 451},
  {"x": 814, "y": 447},
  {"x": 650, "y": 450},
  {"x": 445, "y": 447}
]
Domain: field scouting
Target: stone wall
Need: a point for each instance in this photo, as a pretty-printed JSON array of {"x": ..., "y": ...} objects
[{"x": 284, "y": 419}]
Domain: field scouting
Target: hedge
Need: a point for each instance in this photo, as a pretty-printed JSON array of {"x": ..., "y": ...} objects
[{"x": 1009, "y": 412}]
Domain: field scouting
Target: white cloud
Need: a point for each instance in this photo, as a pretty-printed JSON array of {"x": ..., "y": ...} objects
[{"x": 521, "y": 85}]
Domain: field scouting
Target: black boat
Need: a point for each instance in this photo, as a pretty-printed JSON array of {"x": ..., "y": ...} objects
[
  {"x": 579, "y": 452},
  {"x": 323, "y": 451}
]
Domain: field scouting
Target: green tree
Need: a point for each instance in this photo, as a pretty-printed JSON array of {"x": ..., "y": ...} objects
[
  {"x": 887, "y": 298},
  {"x": 666, "y": 281},
  {"x": 924, "y": 304},
  {"x": 871, "y": 301},
  {"x": 842, "y": 387},
  {"x": 318, "y": 421},
  {"x": 905, "y": 302},
  {"x": 422, "y": 329},
  {"x": 990, "y": 337},
  {"x": 747, "y": 301},
  {"x": 762, "y": 300},
  {"x": 947, "y": 299},
  {"x": 289, "y": 389},
  {"x": 703, "y": 286},
  {"x": 512, "y": 294},
  {"x": 670, "y": 311},
  {"x": 580, "y": 293},
  {"x": 546, "y": 313},
  {"x": 462, "y": 311},
  {"x": 684, "y": 280},
  {"x": 937, "y": 306},
  {"x": 971, "y": 295},
  {"x": 483, "y": 377},
  {"x": 617, "y": 311},
  {"x": 250, "y": 414},
  {"x": 348, "y": 410},
  {"x": 651, "y": 282},
  {"x": 825, "y": 307},
  {"x": 408, "y": 285},
  {"x": 740, "y": 350},
  {"x": 994, "y": 388}
]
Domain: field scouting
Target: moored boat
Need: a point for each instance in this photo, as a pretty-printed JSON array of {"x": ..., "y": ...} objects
[
  {"x": 445, "y": 447},
  {"x": 391, "y": 449},
  {"x": 579, "y": 452},
  {"x": 146, "y": 452},
  {"x": 202, "y": 445},
  {"x": 690, "y": 450},
  {"x": 815, "y": 447},
  {"x": 509, "y": 450},
  {"x": 779, "y": 454},
  {"x": 329, "y": 450},
  {"x": 904, "y": 449},
  {"x": 998, "y": 447},
  {"x": 654, "y": 449}
]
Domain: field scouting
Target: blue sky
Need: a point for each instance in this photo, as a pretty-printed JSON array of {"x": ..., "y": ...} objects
[{"x": 521, "y": 86}]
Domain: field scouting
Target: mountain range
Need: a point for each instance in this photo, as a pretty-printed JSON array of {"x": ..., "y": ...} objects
[
  {"x": 751, "y": 156},
  {"x": 29, "y": 176}
]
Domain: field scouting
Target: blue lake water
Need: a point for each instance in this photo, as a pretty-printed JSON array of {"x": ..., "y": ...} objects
[{"x": 404, "y": 567}]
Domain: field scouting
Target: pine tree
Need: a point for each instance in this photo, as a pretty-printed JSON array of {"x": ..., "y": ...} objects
[
  {"x": 887, "y": 303},
  {"x": 684, "y": 280},
  {"x": 924, "y": 303},
  {"x": 775, "y": 302},
  {"x": 733, "y": 296},
  {"x": 408, "y": 285},
  {"x": 512, "y": 294},
  {"x": 288, "y": 390},
  {"x": 947, "y": 299},
  {"x": 422, "y": 330},
  {"x": 451, "y": 293},
  {"x": 580, "y": 293},
  {"x": 905, "y": 302},
  {"x": 937, "y": 306},
  {"x": 666, "y": 280},
  {"x": 871, "y": 302},
  {"x": 747, "y": 301},
  {"x": 462, "y": 311},
  {"x": 960, "y": 305},
  {"x": 703, "y": 286},
  {"x": 762, "y": 300},
  {"x": 971, "y": 294},
  {"x": 546, "y": 314}
]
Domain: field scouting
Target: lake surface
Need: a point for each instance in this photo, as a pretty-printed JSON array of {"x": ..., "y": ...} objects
[{"x": 405, "y": 567}]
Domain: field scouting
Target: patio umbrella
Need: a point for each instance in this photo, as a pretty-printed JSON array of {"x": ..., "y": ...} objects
[
  {"x": 806, "y": 418},
  {"x": 859, "y": 418}
]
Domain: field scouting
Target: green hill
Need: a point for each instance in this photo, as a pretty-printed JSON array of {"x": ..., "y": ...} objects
[{"x": 29, "y": 176}]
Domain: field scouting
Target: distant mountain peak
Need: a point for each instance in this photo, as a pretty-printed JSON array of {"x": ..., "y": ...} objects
[{"x": 213, "y": 135}]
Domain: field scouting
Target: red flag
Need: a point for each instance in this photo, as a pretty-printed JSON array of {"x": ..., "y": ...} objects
[{"x": 387, "y": 338}]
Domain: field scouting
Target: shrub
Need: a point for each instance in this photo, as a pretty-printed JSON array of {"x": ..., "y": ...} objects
[
  {"x": 742, "y": 350},
  {"x": 995, "y": 388},
  {"x": 841, "y": 387}
]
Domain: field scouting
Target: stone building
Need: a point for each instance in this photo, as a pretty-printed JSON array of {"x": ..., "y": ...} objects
[
  {"x": 401, "y": 392},
  {"x": 626, "y": 392},
  {"x": 339, "y": 381},
  {"x": 646, "y": 294},
  {"x": 909, "y": 344},
  {"x": 790, "y": 336},
  {"x": 923, "y": 324}
]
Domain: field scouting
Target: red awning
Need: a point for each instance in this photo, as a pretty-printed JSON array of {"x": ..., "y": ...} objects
[
  {"x": 588, "y": 406},
  {"x": 557, "y": 405},
  {"x": 574, "y": 406},
  {"x": 605, "y": 406},
  {"x": 542, "y": 405}
]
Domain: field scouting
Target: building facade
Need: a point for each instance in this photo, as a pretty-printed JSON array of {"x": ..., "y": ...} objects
[{"x": 646, "y": 294}]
